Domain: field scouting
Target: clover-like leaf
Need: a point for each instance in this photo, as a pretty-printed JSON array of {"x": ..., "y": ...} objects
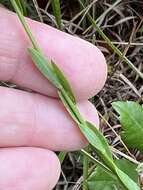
[
  {"x": 131, "y": 118},
  {"x": 103, "y": 180}
]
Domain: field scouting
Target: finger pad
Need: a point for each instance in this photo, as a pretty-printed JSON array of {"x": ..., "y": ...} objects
[{"x": 28, "y": 169}]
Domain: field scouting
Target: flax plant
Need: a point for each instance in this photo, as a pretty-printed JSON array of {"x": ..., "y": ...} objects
[{"x": 54, "y": 74}]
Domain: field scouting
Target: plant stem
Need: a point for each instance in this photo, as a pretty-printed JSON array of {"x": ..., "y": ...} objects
[
  {"x": 96, "y": 161},
  {"x": 62, "y": 156},
  {"x": 22, "y": 6},
  {"x": 85, "y": 170},
  {"x": 26, "y": 27},
  {"x": 57, "y": 12}
]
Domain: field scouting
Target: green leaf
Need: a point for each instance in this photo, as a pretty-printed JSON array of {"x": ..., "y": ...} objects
[
  {"x": 102, "y": 180},
  {"x": 22, "y": 6},
  {"x": 126, "y": 180},
  {"x": 63, "y": 81},
  {"x": 96, "y": 139},
  {"x": 99, "y": 143},
  {"x": 62, "y": 156},
  {"x": 131, "y": 118},
  {"x": 52, "y": 72},
  {"x": 128, "y": 167},
  {"x": 44, "y": 66},
  {"x": 57, "y": 12},
  {"x": 68, "y": 108}
]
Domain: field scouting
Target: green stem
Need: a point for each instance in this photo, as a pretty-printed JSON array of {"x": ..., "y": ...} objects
[
  {"x": 26, "y": 27},
  {"x": 85, "y": 170},
  {"x": 22, "y": 6},
  {"x": 57, "y": 12},
  {"x": 62, "y": 156},
  {"x": 84, "y": 22},
  {"x": 96, "y": 161},
  {"x": 73, "y": 107}
]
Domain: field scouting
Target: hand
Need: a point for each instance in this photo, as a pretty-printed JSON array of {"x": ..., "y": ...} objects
[{"x": 33, "y": 124}]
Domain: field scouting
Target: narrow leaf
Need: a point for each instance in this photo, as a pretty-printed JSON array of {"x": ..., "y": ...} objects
[
  {"x": 63, "y": 81},
  {"x": 131, "y": 118},
  {"x": 96, "y": 162},
  {"x": 102, "y": 149},
  {"x": 128, "y": 167},
  {"x": 57, "y": 12},
  {"x": 126, "y": 180},
  {"x": 44, "y": 66},
  {"x": 96, "y": 139},
  {"x": 99, "y": 143},
  {"x": 62, "y": 156},
  {"x": 22, "y": 6}
]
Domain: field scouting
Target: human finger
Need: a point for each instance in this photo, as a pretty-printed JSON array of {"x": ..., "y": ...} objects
[
  {"x": 82, "y": 63},
  {"x": 29, "y": 119},
  {"x": 28, "y": 169}
]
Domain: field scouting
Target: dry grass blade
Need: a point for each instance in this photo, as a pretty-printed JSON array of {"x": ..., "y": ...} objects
[
  {"x": 38, "y": 10},
  {"x": 115, "y": 49}
]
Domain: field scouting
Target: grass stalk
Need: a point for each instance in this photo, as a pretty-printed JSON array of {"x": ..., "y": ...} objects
[
  {"x": 95, "y": 161},
  {"x": 84, "y": 22},
  {"x": 26, "y": 27},
  {"x": 62, "y": 156},
  {"x": 22, "y": 6},
  {"x": 85, "y": 170},
  {"x": 57, "y": 12}
]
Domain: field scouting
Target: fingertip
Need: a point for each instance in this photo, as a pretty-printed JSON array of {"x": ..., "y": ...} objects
[
  {"x": 89, "y": 112},
  {"x": 83, "y": 64},
  {"x": 28, "y": 168}
]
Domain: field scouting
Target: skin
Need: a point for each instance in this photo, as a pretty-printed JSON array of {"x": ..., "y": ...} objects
[{"x": 33, "y": 124}]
